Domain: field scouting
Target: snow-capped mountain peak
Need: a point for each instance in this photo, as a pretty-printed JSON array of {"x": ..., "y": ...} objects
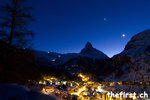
[
  {"x": 88, "y": 45},
  {"x": 88, "y": 50}
]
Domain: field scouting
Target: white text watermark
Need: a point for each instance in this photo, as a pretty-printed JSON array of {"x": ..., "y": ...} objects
[{"x": 133, "y": 95}]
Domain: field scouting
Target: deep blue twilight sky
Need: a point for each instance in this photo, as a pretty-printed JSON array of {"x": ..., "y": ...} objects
[{"x": 65, "y": 26}]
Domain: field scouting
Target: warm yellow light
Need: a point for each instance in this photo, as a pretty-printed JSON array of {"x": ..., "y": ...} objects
[
  {"x": 120, "y": 83},
  {"x": 83, "y": 77},
  {"x": 64, "y": 82},
  {"x": 49, "y": 78},
  {"x": 99, "y": 89},
  {"x": 79, "y": 91},
  {"x": 47, "y": 90}
]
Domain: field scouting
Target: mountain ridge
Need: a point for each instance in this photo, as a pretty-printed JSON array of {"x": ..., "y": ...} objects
[
  {"x": 134, "y": 60},
  {"x": 54, "y": 59}
]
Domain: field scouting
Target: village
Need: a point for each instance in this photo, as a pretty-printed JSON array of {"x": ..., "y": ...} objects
[{"x": 82, "y": 90}]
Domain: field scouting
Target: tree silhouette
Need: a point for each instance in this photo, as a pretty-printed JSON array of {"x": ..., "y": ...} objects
[{"x": 14, "y": 20}]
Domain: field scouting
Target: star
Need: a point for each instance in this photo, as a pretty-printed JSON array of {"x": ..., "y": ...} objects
[
  {"x": 123, "y": 35},
  {"x": 105, "y": 19}
]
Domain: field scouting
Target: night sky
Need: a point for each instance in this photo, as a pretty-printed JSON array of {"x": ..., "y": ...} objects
[{"x": 65, "y": 26}]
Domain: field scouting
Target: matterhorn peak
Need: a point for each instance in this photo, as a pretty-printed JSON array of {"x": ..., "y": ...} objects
[
  {"x": 88, "y": 45},
  {"x": 89, "y": 50}
]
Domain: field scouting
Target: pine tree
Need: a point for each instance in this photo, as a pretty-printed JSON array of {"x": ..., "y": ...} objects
[{"x": 15, "y": 18}]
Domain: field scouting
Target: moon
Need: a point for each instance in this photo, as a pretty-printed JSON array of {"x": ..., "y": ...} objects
[{"x": 123, "y": 35}]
